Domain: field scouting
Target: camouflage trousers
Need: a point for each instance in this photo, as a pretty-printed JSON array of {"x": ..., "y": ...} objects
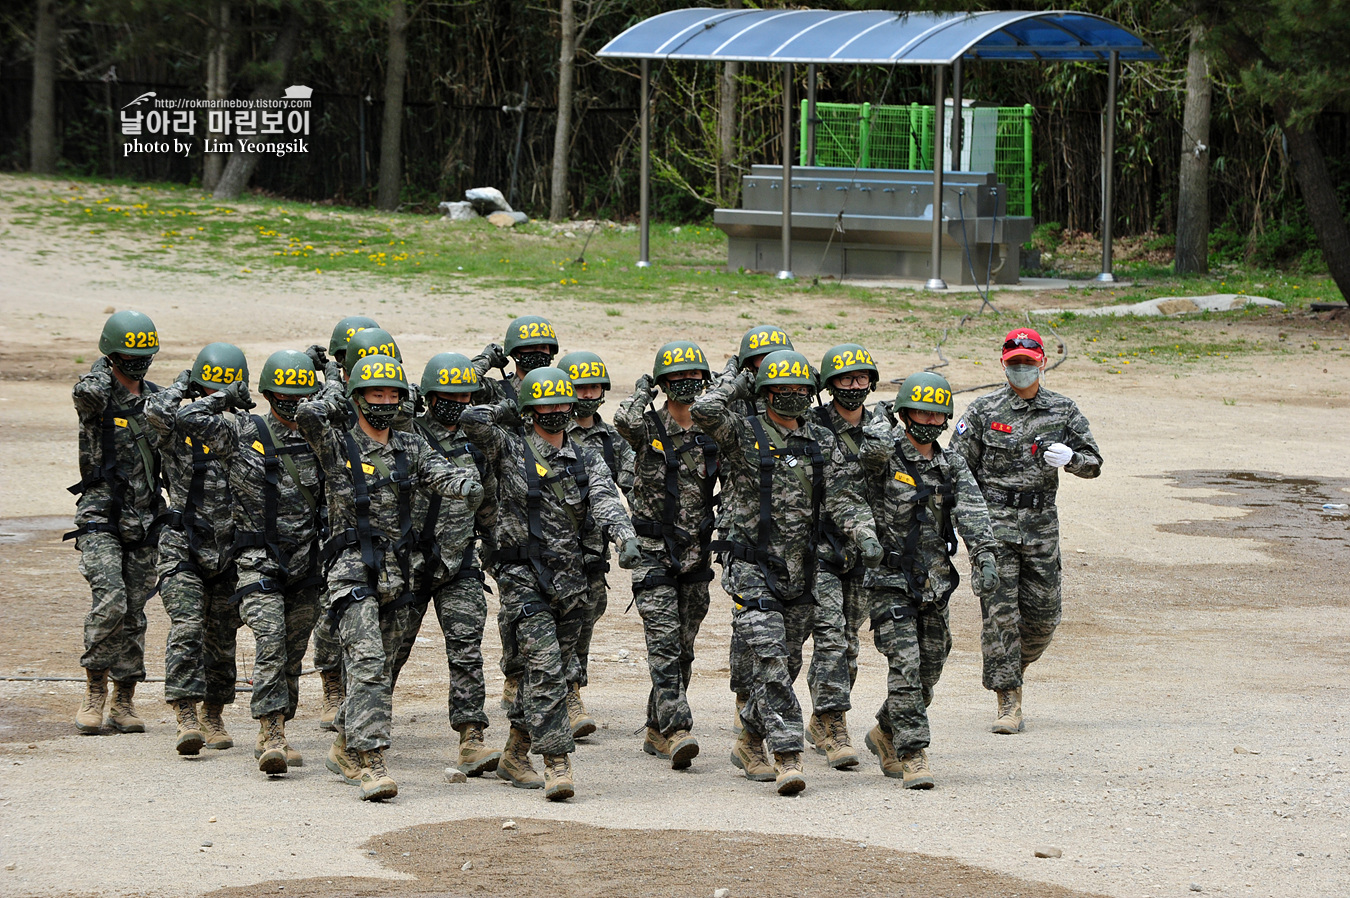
[
  {"x": 327, "y": 650},
  {"x": 1021, "y": 616},
  {"x": 916, "y": 643},
  {"x": 597, "y": 600},
  {"x": 461, "y": 609},
  {"x": 857, "y": 611},
  {"x": 543, "y": 635},
  {"x": 203, "y": 624},
  {"x": 121, "y": 582},
  {"x": 672, "y": 613},
  {"x": 281, "y": 617},
  {"x": 828, "y": 678}
]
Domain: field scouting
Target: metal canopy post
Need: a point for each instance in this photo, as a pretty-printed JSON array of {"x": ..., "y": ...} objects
[
  {"x": 645, "y": 178},
  {"x": 935, "y": 281},
  {"x": 785, "y": 273},
  {"x": 811, "y": 114},
  {"x": 958, "y": 119},
  {"x": 1108, "y": 165}
]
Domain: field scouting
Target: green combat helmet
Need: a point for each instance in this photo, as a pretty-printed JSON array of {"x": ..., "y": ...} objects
[
  {"x": 531, "y": 330},
  {"x": 545, "y": 386},
  {"x": 762, "y": 339},
  {"x": 218, "y": 365},
  {"x": 677, "y": 356},
  {"x": 846, "y": 358},
  {"x": 132, "y": 336},
  {"x": 782, "y": 368},
  {"x": 377, "y": 370},
  {"x": 925, "y": 391},
  {"x": 288, "y": 373},
  {"x": 586, "y": 368},
  {"x": 449, "y": 372},
  {"x": 346, "y": 329},
  {"x": 371, "y": 341}
]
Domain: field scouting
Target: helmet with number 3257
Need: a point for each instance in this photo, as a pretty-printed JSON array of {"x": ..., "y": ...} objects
[
  {"x": 545, "y": 386},
  {"x": 585, "y": 368}
]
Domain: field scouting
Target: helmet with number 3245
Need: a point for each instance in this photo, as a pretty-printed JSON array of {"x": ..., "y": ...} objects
[
  {"x": 925, "y": 391},
  {"x": 129, "y": 333},
  {"x": 289, "y": 373},
  {"x": 545, "y": 386},
  {"x": 218, "y": 365}
]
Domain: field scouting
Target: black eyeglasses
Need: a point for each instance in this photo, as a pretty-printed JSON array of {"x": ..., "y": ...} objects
[{"x": 1022, "y": 343}]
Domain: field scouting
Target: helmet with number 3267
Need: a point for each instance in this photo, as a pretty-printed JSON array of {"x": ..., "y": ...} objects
[{"x": 925, "y": 391}]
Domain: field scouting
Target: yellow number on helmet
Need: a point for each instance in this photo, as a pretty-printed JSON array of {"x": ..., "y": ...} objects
[
  {"x": 536, "y": 389},
  {"x": 915, "y": 394}
]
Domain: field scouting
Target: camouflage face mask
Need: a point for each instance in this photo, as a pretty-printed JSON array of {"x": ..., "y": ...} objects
[
  {"x": 925, "y": 433},
  {"x": 447, "y": 411},
  {"x": 133, "y": 366},
  {"x": 379, "y": 415},
  {"x": 285, "y": 408},
  {"x": 685, "y": 390},
  {"x": 1023, "y": 376},
  {"x": 584, "y": 408},
  {"x": 790, "y": 405},
  {"x": 552, "y": 422},
  {"x": 850, "y": 399},
  {"x": 528, "y": 361}
]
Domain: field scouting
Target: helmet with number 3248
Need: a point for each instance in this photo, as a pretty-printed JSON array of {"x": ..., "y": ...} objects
[{"x": 545, "y": 386}]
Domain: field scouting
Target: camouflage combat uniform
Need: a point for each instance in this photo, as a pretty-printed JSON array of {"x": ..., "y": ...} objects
[
  {"x": 196, "y": 565},
  {"x": 327, "y": 651},
  {"x": 769, "y": 573},
  {"x": 1002, "y": 438},
  {"x": 914, "y": 501},
  {"x": 446, "y": 574},
  {"x": 278, "y": 493},
  {"x": 370, "y": 572},
  {"x": 541, "y": 576},
  {"x": 670, "y": 583},
  {"x": 602, "y": 439},
  {"x": 115, "y": 516}
]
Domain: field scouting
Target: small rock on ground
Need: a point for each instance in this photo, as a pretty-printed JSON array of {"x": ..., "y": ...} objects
[{"x": 1048, "y": 851}]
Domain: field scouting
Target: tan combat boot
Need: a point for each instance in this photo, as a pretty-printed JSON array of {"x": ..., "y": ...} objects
[
  {"x": 578, "y": 718},
  {"x": 293, "y": 757},
  {"x": 333, "y": 695},
  {"x": 213, "y": 727},
  {"x": 788, "y": 779},
  {"x": 514, "y": 766},
  {"x": 748, "y": 755},
  {"x": 829, "y": 733},
  {"x": 474, "y": 755},
  {"x": 89, "y": 719},
  {"x": 736, "y": 723},
  {"x": 916, "y": 773},
  {"x": 122, "y": 711},
  {"x": 376, "y": 783},
  {"x": 271, "y": 748},
  {"x": 1009, "y": 712},
  {"x": 656, "y": 744},
  {"x": 190, "y": 738},
  {"x": 509, "y": 690},
  {"x": 879, "y": 742},
  {"x": 557, "y": 778},
  {"x": 341, "y": 762},
  {"x": 683, "y": 749}
]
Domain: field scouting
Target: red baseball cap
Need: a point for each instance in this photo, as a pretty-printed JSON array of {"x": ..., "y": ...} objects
[{"x": 1023, "y": 341}]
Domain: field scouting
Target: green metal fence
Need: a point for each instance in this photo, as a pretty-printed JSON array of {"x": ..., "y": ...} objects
[{"x": 849, "y": 135}]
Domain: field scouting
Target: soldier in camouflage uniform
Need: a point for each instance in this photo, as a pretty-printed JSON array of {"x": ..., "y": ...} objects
[
  {"x": 590, "y": 378},
  {"x": 672, "y": 500},
  {"x": 115, "y": 516},
  {"x": 555, "y": 498},
  {"x": 1015, "y": 441},
  {"x": 446, "y": 572},
  {"x": 531, "y": 342},
  {"x": 781, "y": 472},
  {"x": 849, "y": 372},
  {"x": 918, "y": 489},
  {"x": 277, "y": 491},
  {"x": 196, "y": 564},
  {"x": 373, "y": 474}
]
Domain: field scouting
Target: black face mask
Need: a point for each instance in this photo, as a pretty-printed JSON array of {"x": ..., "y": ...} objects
[
  {"x": 447, "y": 411},
  {"x": 285, "y": 408},
  {"x": 584, "y": 408},
  {"x": 790, "y": 405},
  {"x": 850, "y": 399},
  {"x": 925, "y": 433},
  {"x": 379, "y": 415},
  {"x": 133, "y": 366},
  {"x": 552, "y": 422},
  {"x": 528, "y": 361},
  {"x": 685, "y": 390}
]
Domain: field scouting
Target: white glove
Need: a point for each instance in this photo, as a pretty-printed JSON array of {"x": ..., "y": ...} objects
[{"x": 1057, "y": 455}]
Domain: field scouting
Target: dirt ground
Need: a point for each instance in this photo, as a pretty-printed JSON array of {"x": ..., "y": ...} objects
[{"x": 1186, "y": 731}]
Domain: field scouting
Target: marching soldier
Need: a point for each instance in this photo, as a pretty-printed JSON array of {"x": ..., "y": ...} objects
[
  {"x": 1015, "y": 441},
  {"x": 119, "y": 502}
]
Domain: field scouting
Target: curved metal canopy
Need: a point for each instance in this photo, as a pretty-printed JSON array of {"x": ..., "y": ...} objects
[{"x": 876, "y": 37}]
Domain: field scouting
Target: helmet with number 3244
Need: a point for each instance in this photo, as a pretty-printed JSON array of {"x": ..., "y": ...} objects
[
  {"x": 545, "y": 386},
  {"x": 785, "y": 367},
  {"x": 289, "y": 373},
  {"x": 129, "y": 333},
  {"x": 925, "y": 391}
]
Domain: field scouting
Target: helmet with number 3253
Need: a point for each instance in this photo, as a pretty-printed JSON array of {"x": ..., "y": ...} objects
[
  {"x": 545, "y": 386},
  {"x": 129, "y": 333},
  {"x": 925, "y": 391},
  {"x": 289, "y": 373},
  {"x": 218, "y": 365}
]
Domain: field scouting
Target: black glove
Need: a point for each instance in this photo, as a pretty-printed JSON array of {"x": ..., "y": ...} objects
[
  {"x": 317, "y": 356},
  {"x": 238, "y": 396},
  {"x": 630, "y": 553},
  {"x": 336, "y": 410},
  {"x": 496, "y": 356},
  {"x": 645, "y": 384},
  {"x": 733, "y": 364},
  {"x": 477, "y": 414},
  {"x": 984, "y": 574},
  {"x": 872, "y": 553}
]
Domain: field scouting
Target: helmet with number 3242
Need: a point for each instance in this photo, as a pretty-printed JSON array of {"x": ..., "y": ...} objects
[
  {"x": 545, "y": 386},
  {"x": 218, "y": 365},
  {"x": 289, "y": 373},
  {"x": 129, "y": 333},
  {"x": 845, "y": 359},
  {"x": 925, "y": 391}
]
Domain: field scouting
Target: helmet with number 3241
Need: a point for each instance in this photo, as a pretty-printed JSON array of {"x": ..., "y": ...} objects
[
  {"x": 545, "y": 386},
  {"x": 925, "y": 391},
  {"x": 680, "y": 355}
]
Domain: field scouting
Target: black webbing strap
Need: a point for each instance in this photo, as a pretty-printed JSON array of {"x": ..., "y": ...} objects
[
  {"x": 400, "y": 481},
  {"x": 266, "y": 584},
  {"x": 425, "y": 541},
  {"x": 268, "y": 539},
  {"x": 607, "y": 450},
  {"x": 896, "y": 613},
  {"x": 667, "y": 531},
  {"x": 829, "y": 529},
  {"x": 905, "y": 560},
  {"x": 110, "y": 473}
]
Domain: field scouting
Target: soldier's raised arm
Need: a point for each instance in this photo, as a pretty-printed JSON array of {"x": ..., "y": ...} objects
[
  {"x": 161, "y": 409},
  {"x": 714, "y": 412},
  {"x": 631, "y": 418},
  {"x": 605, "y": 502}
]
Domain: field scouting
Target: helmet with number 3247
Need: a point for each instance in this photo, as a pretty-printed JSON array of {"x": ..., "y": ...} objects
[
  {"x": 288, "y": 373},
  {"x": 545, "y": 386},
  {"x": 129, "y": 333},
  {"x": 762, "y": 339},
  {"x": 925, "y": 391}
]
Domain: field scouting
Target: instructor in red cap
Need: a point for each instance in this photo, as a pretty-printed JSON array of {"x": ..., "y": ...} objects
[{"x": 1015, "y": 440}]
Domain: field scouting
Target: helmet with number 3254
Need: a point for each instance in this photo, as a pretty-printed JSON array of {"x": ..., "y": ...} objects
[
  {"x": 129, "y": 333},
  {"x": 545, "y": 386},
  {"x": 218, "y": 365},
  {"x": 288, "y": 373},
  {"x": 925, "y": 391}
]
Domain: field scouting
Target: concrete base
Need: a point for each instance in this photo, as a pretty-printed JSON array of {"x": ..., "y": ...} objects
[{"x": 813, "y": 258}]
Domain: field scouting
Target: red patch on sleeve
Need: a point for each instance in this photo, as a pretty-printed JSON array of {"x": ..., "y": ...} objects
[{"x": 1001, "y": 428}]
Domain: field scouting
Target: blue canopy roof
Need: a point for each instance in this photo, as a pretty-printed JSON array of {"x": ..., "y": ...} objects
[{"x": 875, "y": 37}]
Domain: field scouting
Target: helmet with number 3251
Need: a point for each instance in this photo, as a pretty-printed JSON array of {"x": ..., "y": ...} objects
[
  {"x": 925, "y": 391},
  {"x": 545, "y": 386},
  {"x": 377, "y": 371}
]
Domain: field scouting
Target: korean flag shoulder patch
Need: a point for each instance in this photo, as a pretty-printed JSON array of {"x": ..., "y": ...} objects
[{"x": 962, "y": 426}]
